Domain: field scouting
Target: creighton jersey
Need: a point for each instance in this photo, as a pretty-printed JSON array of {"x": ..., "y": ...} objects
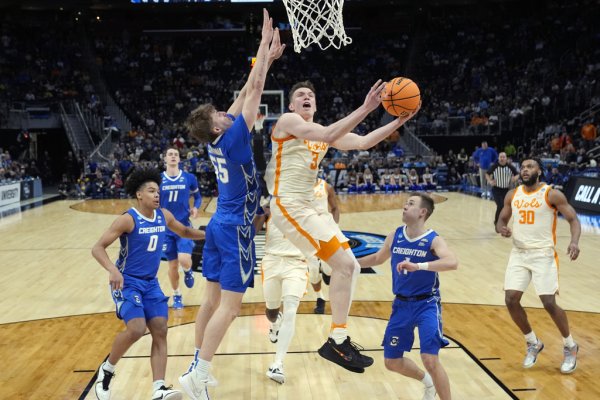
[
  {"x": 293, "y": 167},
  {"x": 321, "y": 203},
  {"x": 417, "y": 250},
  {"x": 534, "y": 219},
  {"x": 141, "y": 248},
  {"x": 239, "y": 193},
  {"x": 175, "y": 194}
]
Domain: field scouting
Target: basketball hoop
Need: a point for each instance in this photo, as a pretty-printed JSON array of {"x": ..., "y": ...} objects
[{"x": 317, "y": 21}]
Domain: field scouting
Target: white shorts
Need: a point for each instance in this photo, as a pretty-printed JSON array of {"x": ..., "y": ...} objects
[
  {"x": 283, "y": 276},
  {"x": 537, "y": 265},
  {"x": 315, "y": 266},
  {"x": 312, "y": 233}
]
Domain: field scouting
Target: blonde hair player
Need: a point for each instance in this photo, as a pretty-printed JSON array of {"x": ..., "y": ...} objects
[
  {"x": 534, "y": 206},
  {"x": 299, "y": 145},
  {"x": 418, "y": 254},
  {"x": 228, "y": 255},
  {"x": 326, "y": 204}
]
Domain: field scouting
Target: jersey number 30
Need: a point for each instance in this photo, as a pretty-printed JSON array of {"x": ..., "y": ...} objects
[
  {"x": 220, "y": 168},
  {"x": 527, "y": 217}
]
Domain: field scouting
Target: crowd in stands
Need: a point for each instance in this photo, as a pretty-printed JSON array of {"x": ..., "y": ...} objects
[{"x": 508, "y": 78}]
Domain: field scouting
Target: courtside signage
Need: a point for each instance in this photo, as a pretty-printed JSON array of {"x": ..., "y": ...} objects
[
  {"x": 10, "y": 194},
  {"x": 584, "y": 193}
]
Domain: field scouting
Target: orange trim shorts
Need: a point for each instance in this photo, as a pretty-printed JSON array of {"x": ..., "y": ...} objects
[
  {"x": 312, "y": 233},
  {"x": 539, "y": 266}
]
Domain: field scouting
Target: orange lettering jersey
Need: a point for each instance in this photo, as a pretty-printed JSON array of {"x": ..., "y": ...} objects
[
  {"x": 534, "y": 219},
  {"x": 292, "y": 170}
]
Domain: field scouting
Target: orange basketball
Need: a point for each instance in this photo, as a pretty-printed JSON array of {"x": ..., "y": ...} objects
[{"x": 400, "y": 97}]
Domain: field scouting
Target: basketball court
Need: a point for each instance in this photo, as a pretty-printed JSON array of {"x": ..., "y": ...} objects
[{"x": 58, "y": 321}]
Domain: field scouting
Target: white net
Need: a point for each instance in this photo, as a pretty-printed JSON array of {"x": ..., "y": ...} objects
[{"x": 317, "y": 21}]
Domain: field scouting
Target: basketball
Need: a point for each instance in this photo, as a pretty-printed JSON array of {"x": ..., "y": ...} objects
[{"x": 400, "y": 97}]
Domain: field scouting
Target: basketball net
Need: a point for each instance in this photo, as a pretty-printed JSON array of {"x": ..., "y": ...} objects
[{"x": 317, "y": 21}]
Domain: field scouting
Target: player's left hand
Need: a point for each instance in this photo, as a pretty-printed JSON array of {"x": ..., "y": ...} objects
[
  {"x": 406, "y": 266},
  {"x": 267, "y": 27},
  {"x": 194, "y": 212},
  {"x": 573, "y": 251}
]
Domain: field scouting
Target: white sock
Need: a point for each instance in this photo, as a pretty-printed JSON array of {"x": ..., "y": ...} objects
[
  {"x": 287, "y": 327},
  {"x": 158, "y": 384},
  {"x": 176, "y": 292},
  {"x": 531, "y": 338},
  {"x": 339, "y": 335},
  {"x": 195, "y": 362},
  {"x": 427, "y": 381},
  {"x": 107, "y": 366},
  {"x": 569, "y": 342},
  {"x": 320, "y": 295},
  {"x": 203, "y": 367}
]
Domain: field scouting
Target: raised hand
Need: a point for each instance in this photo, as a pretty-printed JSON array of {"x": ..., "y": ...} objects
[
  {"x": 373, "y": 99},
  {"x": 276, "y": 49},
  {"x": 411, "y": 114},
  {"x": 267, "y": 27}
]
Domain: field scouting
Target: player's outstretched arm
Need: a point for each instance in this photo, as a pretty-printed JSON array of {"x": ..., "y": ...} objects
[
  {"x": 382, "y": 255},
  {"x": 123, "y": 224},
  {"x": 180, "y": 229},
  {"x": 255, "y": 89},
  {"x": 294, "y": 124},
  {"x": 275, "y": 51},
  {"x": 505, "y": 214},
  {"x": 558, "y": 200},
  {"x": 352, "y": 141}
]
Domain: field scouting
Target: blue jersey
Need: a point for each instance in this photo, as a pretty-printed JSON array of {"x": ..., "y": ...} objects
[
  {"x": 239, "y": 192},
  {"x": 141, "y": 248},
  {"x": 417, "y": 250},
  {"x": 175, "y": 194}
]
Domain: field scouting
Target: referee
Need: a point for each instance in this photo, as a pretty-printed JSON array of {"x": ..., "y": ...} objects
[{"x": 500, "y": 176}]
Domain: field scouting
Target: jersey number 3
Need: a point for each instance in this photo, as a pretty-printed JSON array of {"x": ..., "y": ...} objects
[
  {"x": 220, "y": 168},
  {"x": 527, "y": 217}
]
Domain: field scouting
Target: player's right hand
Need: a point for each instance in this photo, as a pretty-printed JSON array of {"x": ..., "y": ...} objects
[
  {"x": 267, "y": 27},
  {"x": 276, "y": 49},
  {"x": 115, "y": 279},
  {"x": 505, "y": 231},
  {"x": 373, "y": 99}
]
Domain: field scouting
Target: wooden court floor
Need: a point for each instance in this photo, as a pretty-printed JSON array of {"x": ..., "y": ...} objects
[{"x": 57, "y": 320}]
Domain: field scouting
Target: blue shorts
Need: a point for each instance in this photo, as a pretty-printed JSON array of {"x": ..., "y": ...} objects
[
  {"x": 174, "y": 245},
  {"x": 426, "y": 315},
  {"x": 140, "y": 298},
  {"x": 228, "y": 256}
]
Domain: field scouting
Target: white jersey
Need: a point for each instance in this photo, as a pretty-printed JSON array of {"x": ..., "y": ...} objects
[
  {"x": 277, "y": 245},
  {"x": 293, "y": 167},
  {"x": 534, "y": 219},
  {"x": 321, "y": 197}
]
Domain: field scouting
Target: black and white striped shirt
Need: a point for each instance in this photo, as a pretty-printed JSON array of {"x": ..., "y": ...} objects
[{"x": 502, "y": 174}]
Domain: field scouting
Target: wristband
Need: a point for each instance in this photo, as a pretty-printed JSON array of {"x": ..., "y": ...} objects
[{"x": 423, "y": 266}]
